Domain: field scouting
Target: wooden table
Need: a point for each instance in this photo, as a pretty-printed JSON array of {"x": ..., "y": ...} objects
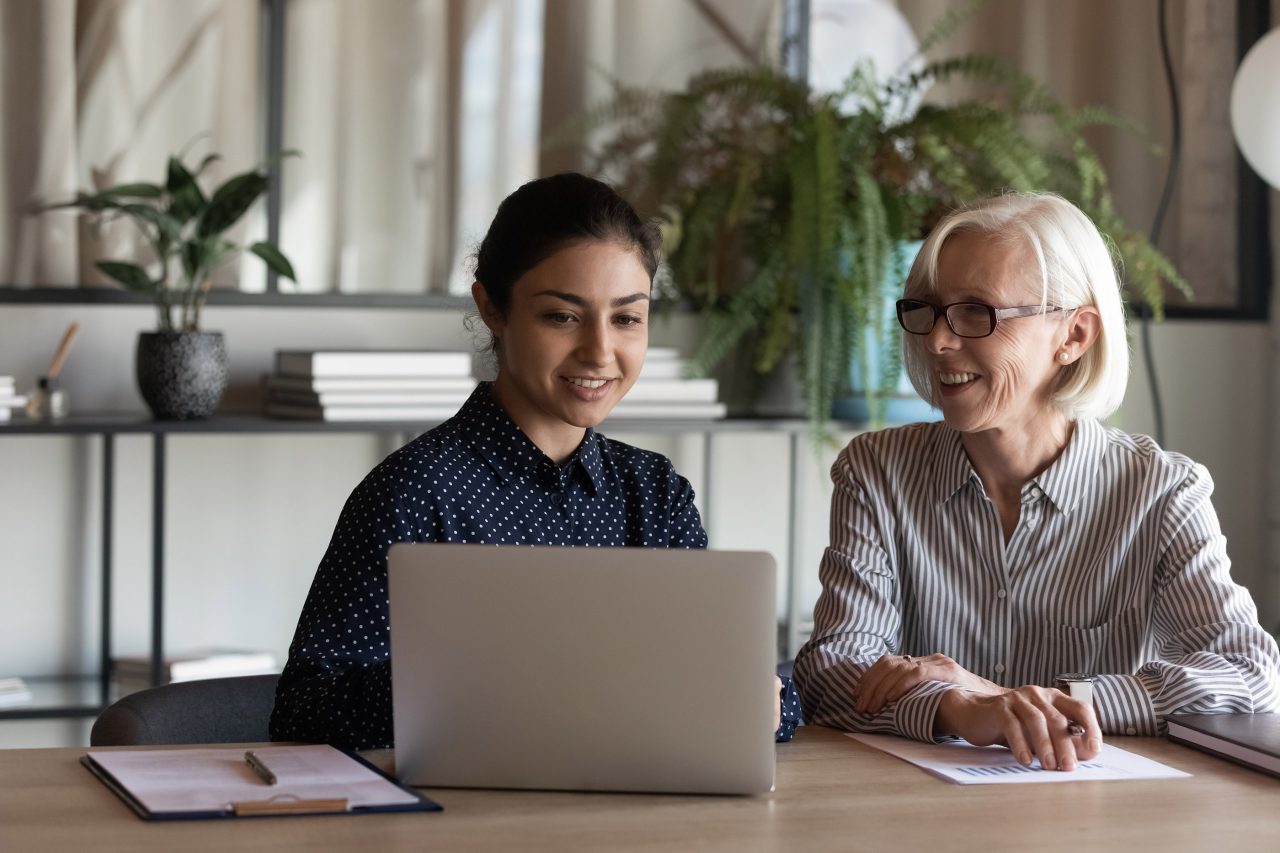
[{"x": 832, "y": 794}]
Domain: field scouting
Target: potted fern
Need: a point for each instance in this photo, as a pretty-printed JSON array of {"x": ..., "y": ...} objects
[
  {"x": 789, "y": 218},
  {"x": 181, "y": 369}
]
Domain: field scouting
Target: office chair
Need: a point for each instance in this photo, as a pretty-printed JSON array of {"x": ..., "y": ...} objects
[{"x": 213, "y": 710}]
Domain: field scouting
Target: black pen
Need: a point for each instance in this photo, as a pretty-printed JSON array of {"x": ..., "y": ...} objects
[
  {"x": 1075, "y": 729},
  {"x": 258, "y": 767}
]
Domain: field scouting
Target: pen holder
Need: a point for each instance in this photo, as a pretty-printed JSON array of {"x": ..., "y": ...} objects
[{"x": 48, "y": 402}]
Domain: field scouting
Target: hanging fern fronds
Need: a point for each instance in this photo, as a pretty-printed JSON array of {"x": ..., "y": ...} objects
[
  {"x": 785, "y": 210},
  {"x": 1095, "y": 115},
  {"x": 624, "y": 105},
  {"x": 1016, "y": 86},
  {"x": 946, "y": 26},
  {"x": 729, "y": 322}
]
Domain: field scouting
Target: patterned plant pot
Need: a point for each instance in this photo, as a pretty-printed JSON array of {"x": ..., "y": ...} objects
[
  {"x": 181, "y": 374},
  {"x": 892, "y": 400}
]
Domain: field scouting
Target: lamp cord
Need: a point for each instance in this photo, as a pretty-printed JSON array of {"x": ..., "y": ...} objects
[{"x": 1157, "y": 223}]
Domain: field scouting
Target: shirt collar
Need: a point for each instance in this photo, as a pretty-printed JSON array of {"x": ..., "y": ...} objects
[
  {"x": 951, "y": 464},
  {"x": 1063, "y": 482},
  {"x": 590, "y": 459},
  {"x": 488, "y": 430}
]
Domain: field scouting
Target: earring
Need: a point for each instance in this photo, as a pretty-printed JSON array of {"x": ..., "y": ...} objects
[{"x": 1064, "y": 356}]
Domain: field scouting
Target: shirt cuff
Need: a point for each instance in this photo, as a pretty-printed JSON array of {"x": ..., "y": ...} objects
[
  {"x": 1123, "y": 706},
  {"x": 791, "y": 715},
  {"x": 915, "y": 713}
]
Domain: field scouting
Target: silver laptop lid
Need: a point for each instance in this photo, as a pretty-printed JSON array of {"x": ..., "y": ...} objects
[{"x": 586, "y": 669}]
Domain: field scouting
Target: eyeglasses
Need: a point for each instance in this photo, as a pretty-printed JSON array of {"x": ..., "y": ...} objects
[{"x": 966, "y": 319}]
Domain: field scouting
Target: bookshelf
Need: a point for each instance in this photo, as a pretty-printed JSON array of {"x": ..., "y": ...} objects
[{"x": 87, "y": 695}]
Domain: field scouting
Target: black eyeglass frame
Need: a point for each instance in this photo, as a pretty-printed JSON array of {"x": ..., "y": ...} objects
[{"x": 996, "y": 314}]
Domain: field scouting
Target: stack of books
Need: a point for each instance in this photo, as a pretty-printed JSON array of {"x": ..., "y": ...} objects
[
  {"x": 10, "y": 399},
  {"x": 14, "y": 691},
  {"x": 134, "y": 673},
  {"x": 369, "y": 385},
  {"x": 662, "y": 392},
  {"x": 424, "y": 386}
]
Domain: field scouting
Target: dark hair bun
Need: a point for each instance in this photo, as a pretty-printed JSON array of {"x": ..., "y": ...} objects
[{"x": 547, "y": 214}]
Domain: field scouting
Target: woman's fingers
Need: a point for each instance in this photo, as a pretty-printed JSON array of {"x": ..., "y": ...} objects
[
  {"x": 1014, "y": 737},
  {"x": 1089, "y": 744},
  {"x": 1050, "y": 733},
  {"x": 1033, "y": 722},
  {"x": 895, "y": 684},
  {"x": 876, "y": 681},
  {"x": 887, "y": 680},
  {"x": 870, "y": 681},
  {"x": 1045, "y": 728},
  {"x": 1036, "y": 730},
  {"x": 892, "y": 676}
]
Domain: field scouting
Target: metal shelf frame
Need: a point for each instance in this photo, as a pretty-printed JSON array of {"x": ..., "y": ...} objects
[{"x": 66, "y": 697}]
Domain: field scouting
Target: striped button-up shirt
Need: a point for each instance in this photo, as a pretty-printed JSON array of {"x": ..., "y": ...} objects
[{"x": 1117, "y": 567}]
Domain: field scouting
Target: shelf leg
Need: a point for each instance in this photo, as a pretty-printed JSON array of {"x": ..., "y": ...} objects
[
  {"x": 108, "y": 492},
  {"x": 157, "y": 556},
  {"x": 706, "y": 484},
  {"x": 793, "y": 546}
]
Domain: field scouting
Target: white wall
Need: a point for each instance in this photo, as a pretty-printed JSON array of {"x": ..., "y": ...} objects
[
  {"x": 250, "y": 516},
  {"x": 1216, "y": 380}
]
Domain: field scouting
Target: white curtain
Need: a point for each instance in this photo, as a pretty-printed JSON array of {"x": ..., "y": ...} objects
[
  {"x": 414, "y": 117},
  {"x": 99, "y": 92},
  {"x": 417, "y": 117},
  {"x": 656, "y": 44},
  {"x": 1108, "y": 53}
]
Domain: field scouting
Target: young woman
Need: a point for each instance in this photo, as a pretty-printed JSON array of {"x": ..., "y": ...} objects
[{"x": 562, "y": 284}]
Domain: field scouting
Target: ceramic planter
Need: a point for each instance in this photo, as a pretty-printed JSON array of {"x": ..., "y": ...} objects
[
  {"x": 181, "y": 375},
  {"x": 877, "y": 365}
]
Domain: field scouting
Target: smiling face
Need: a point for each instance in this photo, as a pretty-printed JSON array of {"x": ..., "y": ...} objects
[
  {"x": 1005, "y": 380},
  {"x": 572, "y": 342}
]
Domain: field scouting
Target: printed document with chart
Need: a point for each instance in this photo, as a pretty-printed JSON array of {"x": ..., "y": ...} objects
[{"x": 966, "y": 764}]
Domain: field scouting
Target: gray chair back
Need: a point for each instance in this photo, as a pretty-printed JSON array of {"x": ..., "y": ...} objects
[{"x": 214, "y": 710}]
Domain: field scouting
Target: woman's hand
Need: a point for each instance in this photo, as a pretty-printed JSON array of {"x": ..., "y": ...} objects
[
  {"x": 1032, "y": 721},
  {"x": 777, "y": 702},
  {"x": 889, "y": 679}
]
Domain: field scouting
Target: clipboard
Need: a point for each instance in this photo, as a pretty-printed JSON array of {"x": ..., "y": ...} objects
[{"x": 193, "y": 783}]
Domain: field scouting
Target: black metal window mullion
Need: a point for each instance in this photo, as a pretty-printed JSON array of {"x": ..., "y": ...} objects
[
  {"x": 795, "y": 39},
  {"x": 274, "y": 15}
]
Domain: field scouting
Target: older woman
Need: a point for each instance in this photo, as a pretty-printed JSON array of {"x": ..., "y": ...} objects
[{"x": 973, "y": 560}]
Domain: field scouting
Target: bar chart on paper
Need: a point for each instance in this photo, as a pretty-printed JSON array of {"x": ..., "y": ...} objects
[
  {"x": 979, "y": 773},
  {"x": 966, "y": 764}
]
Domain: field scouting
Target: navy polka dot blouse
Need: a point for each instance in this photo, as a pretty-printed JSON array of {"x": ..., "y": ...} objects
[{"x": 475, "y": 478}]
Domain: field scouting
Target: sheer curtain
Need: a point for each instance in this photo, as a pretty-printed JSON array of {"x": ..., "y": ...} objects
[
  {"x": 98, "y": 92},
  {"x": 657, "y": 44},
  {"x": 1108, "y": 53},
  {"x": 417, "y": 117},
  {"x": 414, "y": 118}
]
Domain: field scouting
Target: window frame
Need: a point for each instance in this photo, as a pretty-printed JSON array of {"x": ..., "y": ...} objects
[
  {"x": 1253, "y": 243},
  {"x": 273, "y": 55},
  {"x": 1253, "y": 213}
]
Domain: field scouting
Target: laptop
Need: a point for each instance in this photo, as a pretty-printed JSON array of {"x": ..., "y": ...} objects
[{"x": 583, "y": 669}]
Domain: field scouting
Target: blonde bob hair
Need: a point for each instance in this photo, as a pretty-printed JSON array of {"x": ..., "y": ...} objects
[{"x": 1074, "y": 267}]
